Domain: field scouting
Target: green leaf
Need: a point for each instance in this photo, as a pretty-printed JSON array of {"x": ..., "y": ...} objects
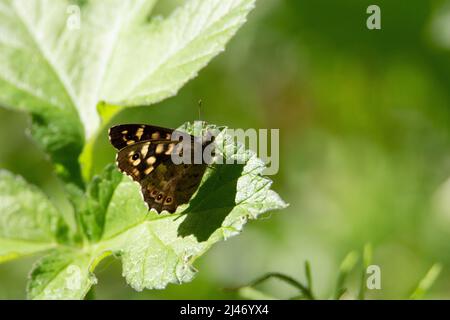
[
  {"x": 93, "y": 207},
  {"x": 62, "y": 274},
  {"x": 159, "y": 249},
  {"x": 29, "y": 223},
  {"x": 59, "y": 74},
  {"x": 31, "y": 77},
  {"x": 367, "y": 261},
  {"x": 308, "y": 275},
  {"x": 251, "y": 293},
  {"x": 187, "y": 40},
  {"x": 156, "y": 249},
  {"x": 305, "y": 291},
  {"x": 346, "y": 267},
  {"x": 427, "y": 281}
]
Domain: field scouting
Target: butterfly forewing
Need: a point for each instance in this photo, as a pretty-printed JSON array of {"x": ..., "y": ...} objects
[
  {"x": 139, "y": 159},
  {"x": 127, "y": 134}
]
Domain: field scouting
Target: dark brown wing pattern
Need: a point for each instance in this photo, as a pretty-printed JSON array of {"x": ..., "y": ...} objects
[
  {"x": 145, "y": 155},
  {"x": 170, "y": 185},
  {"x": 140, "y": 159},
  {"x": 127, "y": 134}
]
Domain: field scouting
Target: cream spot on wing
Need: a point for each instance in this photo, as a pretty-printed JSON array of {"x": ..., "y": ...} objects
[
  {"x": 136, "y": 162},
  {"x": 168, "y": 135},
  {"x": 151, "y": 160},
  {"x": 139, "y": 133},
  {"x": 124, "y": 131},
  {"x": 170, "y": 149},
  {"x": 135, "y": 172},
  {"x": 130, "y": 142},
  {"x": 155, "y": 135},
  {"x": 148, "y": 170},
  {"x": 130, "y": 154},
  {"x": 145, "y": 149},
  {"x": 159, "y": 148}
]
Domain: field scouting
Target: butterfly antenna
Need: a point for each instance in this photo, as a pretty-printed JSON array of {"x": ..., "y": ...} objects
[{"x": 200, "y": 102}]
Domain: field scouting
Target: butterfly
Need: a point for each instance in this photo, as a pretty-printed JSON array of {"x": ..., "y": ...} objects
[{"x": 145, "y": 154}]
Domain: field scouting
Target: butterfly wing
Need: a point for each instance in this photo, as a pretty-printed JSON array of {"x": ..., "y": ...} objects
[
  {"x": 164, "y": 185},
  {"x": 127, "y": 134},
  {"x": 170, "y": 185},
  {"x": 145, "y": 155},
  {"x": 139, "y": 159}
]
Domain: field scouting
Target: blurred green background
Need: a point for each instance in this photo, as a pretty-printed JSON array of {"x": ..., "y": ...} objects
[{"x": 364, "y": 119}]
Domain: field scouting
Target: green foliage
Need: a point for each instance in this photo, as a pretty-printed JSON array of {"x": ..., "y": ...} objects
[
  {"x": 61, "y": 274},
  {"x": 28, "y": 222},
  {"x": 98, "y": 197},
  {"x": 116, "y": 55},
  {"x": 154, "y": 249},
  {"x": 121, "y": 56},
  {"x": 367, "y": 261},
  {"x": 347, "y": 265},
  {"x": 250, "y": 292},
  {"x": 428, "y": 280}
]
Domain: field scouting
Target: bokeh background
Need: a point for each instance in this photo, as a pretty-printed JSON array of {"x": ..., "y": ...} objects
[{"x": 364, "y": 119}]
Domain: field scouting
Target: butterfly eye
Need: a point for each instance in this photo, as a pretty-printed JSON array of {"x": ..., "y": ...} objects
[{"x": 135, "y": 156}]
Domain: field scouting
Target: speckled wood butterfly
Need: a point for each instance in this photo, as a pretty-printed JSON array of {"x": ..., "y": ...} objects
[{"x": 145, "y": 155}]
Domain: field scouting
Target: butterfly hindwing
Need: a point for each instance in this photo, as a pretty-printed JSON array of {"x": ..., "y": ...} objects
[
  {"x": 170, "y": 185},
  {"x": 127, "y": 134}
]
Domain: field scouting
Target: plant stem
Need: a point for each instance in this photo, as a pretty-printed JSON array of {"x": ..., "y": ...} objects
[{"x": 305, "y": 290}]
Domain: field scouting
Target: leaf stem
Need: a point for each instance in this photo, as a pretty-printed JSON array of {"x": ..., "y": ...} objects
[{"x": 306, "y": 292}]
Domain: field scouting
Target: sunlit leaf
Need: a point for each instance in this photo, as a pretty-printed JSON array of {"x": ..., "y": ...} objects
[
  {"x": 58, "y": 70},
  {"x": 29, "y": 222},
  {"x": 156, "y": 250},
  {"x": 61, "y": 275}
]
